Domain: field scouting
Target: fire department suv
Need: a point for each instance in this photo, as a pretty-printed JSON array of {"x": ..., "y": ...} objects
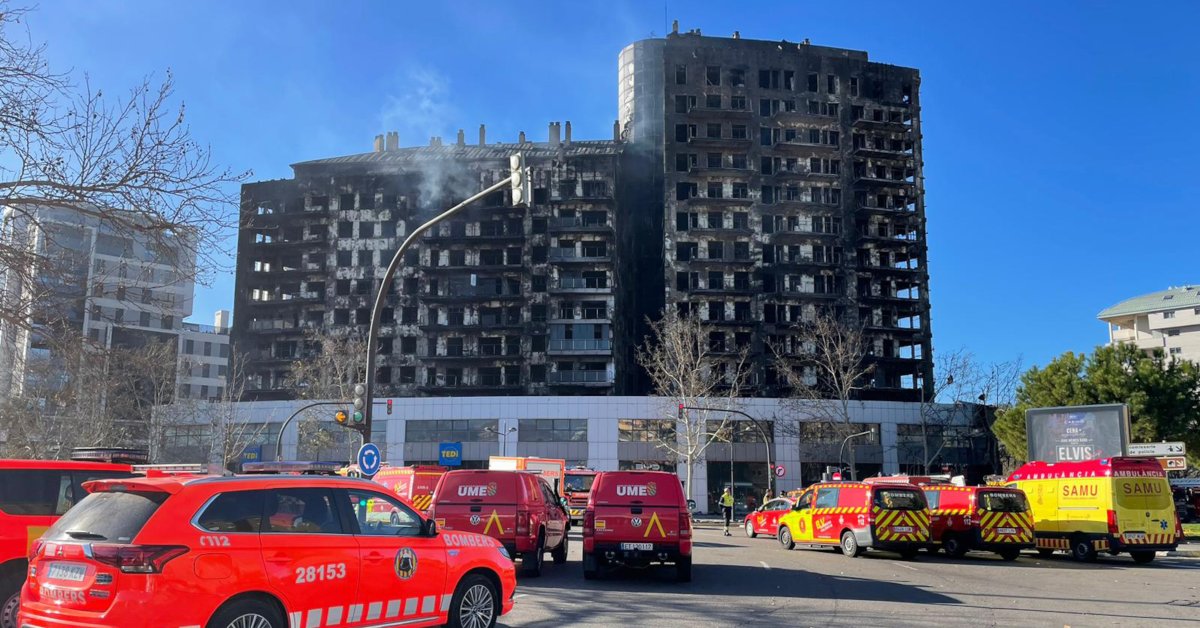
[
  {"x": 987, "y": 518},
  {"x": 262, "y": 552},
  {"x": 1113, "y": 504},
  {"x": 856, "y": 516}
]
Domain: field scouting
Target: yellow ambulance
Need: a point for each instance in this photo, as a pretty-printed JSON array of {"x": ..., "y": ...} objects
[{"x": 1117, "y": 505}]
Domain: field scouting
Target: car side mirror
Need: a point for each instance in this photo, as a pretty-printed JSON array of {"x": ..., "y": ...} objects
[{"x": 429, "y": 528}]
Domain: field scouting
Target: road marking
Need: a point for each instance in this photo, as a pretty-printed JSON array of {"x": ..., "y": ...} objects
[
  {"x": 519, "y": 595},
  {"x": 905, "y": 566},
  {"x": 764, "y": 564}
]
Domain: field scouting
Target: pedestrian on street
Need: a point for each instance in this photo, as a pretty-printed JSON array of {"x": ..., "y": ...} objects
[
  {"x": 727, "y": 508},
  {"x": 768, "y": 496}
]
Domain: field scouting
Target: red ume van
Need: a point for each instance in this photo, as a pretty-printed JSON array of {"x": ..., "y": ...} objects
[
  {"x": 637, "y": 518},
  {"x": 517, "y": 508}
]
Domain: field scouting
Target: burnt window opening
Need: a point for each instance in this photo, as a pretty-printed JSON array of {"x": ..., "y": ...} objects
[
  {"x": 346, "y": 202},
  {"x": 345, "y": 229},
  {"x": 408, "y": 315},
  {"x": 716, "y": 280},
  {"x": 813, "y": 82},
  {"x": 713, "y": 130},
  {"x": 408, "y": 375},
  {"x": 854, "y": 86},
  {"x": 737, "y": 103},
  {"x": 831, "y": 83},
  {"x": 538, "y": 225},
  {"x": 713, "y": 220},
  {"x": 713, "y": 160},
  {"x": 685, "y": 251},
  {"x": 737, "y": 77},
  {"x": 537, "y": 312},
  {"x": 681, "y": 74},
  {"x": 716, "y": 189},
  {"x": 716, "y": 250},
  {"x": 685, "y": 190},
  {"x": 741, "y": 220},
  {"x": 739, "y": 132},
  {"x": 538, "y": 283},
  {"x": 712, "y": 75},
  {"x": 341, "y": 317}
]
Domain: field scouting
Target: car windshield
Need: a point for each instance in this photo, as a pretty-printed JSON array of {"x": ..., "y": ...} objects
[
  {"x": 898, "y": 499},
  {"x": 579, "y": 483},
  {"x": 992, "y": 501}
]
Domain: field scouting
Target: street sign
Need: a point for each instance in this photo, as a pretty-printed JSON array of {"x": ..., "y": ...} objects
[
  {"x": 780, "y": 471},
  {"x": 369, "y": 459},
  {"x": 1156, "y": 450},
  {"x": 450, "y": 454},
  {"x": 1173, "y": 463}
]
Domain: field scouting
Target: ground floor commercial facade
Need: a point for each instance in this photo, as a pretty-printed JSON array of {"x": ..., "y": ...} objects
[{"x": 611, "y": 433}]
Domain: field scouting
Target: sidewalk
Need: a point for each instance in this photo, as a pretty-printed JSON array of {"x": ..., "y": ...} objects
[{"x": 1191, "y": 549}]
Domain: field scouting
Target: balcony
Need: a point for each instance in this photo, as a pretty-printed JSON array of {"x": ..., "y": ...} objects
[
  {"x": 581, "y": 284},
  {"x": 580, "y": 346},
  {"x": 459, "y": 238},
  {"x": 720, "y": 201},
  {"x": 721, "y": 113},
  {"x": 471, "y": 293},
  {"x": 802, "y": 115},
  {"x": 558, "y": 254},
  {"x": 889, "y": 122},
  {"x": 881, "y": 295},
  {"x": 272, "y": 326},
  {"x": 482, "y": 353},
  {"x": 866, "y": 180},
  {"x": 905, "y": 155},
  {"x": 584, "y": 378},
  {"x": 797, "y": 147},
  {"x": 575, "y": 224},
  {"x": 887, "y": 211},
  {"x": 295, "y": 298},
  {"x": 720, "y": 142},
  {"x": 783, "y": 174}
]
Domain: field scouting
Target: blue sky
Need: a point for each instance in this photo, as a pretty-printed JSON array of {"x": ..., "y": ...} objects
[{"x": 1060, "y": 141}]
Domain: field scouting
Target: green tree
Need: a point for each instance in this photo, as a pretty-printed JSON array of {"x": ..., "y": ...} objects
[{"x": 1163, "y": 394}]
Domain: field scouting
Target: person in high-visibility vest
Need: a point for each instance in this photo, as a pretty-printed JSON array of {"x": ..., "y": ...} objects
[{"x": 726, "y": 502}]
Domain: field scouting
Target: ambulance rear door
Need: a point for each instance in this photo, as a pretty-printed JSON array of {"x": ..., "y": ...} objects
[{"x": 1144, "y": 509}]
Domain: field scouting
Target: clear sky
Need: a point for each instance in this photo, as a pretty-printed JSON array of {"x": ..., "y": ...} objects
[{"x": 1060, "y": 138}]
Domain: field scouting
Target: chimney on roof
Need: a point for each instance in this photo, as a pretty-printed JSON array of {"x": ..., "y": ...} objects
[
  {"x": 521, "y": 137},
  {"x": 462, "y": 138},
  {"x": 555, "y": 136},
  {"x": 393, "y": 141},
  {"x": 379, "y": 143},
  {"x": 616, "y": 130},
  {"x": 482, "y": 135},
  {"x": 737, "y": 34},
  {"x": 567, "y": 139},
  {"x": 674, "y": 27}
]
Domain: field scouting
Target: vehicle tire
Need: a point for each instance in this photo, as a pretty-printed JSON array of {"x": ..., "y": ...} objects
[
  {"x": 785, "y": 538},
  {"x": 683, "y": 569},
  {"x": 1142, "y": 557},
  {"x": 1082, "y": 549},
  {"x": 909, "y": 554},
  {"x": 850, "y": 546},
  {"x": 590, "y": 566},
  {"x": 395, "y": 518},
  {"x": 249, "y": 613},
  {"x": 560, "y": 553},
  {"x": 1045, "y": 552},
  {"x": 1009, "y": 554},
  {"x": 475, "y": 603},
  {"x": 531, "y": 562},
  {"x": 750, "y": 530},
  {"x": 954, "y": 546},
  {"x": 10, "y": 602}
]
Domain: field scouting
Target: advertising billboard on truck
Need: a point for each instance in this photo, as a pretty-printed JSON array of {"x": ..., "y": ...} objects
[{"x": 1077, "y": 433}]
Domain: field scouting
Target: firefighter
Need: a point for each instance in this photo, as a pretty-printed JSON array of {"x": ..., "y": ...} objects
[{"x": 726, "y": 502}]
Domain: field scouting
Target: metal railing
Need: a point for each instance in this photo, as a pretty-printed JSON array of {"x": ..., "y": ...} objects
[
  {"x": 580, "y": 345},
  {"x": 579, "y": 377}
]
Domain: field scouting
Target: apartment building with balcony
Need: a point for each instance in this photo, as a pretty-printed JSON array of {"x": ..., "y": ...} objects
[
  {"x": 1168, "y": 321},
  {"x": 791, "y": 184},
  {"x": 498, "y": 300}
]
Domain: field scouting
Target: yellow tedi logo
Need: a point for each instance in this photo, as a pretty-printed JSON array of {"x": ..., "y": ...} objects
[{"x": 650, "y": 526}]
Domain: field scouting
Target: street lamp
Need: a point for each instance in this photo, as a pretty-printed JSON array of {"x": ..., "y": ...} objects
[
  {"x": 502, "y": 434},
  {"x": 853, "y": 472}
]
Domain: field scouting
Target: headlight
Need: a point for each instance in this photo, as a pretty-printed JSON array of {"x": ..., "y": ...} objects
[{"x": 503, "y": 552}]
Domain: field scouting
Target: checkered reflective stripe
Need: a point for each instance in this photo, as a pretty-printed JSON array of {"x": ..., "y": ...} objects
[
  {"x": 991, "y": 524},
  {"x": 422, "y": 502},
  {"x": 412, "y": 609},
  {"x": 886, "y": 522},
  {"x": 1151, "y": 538}
]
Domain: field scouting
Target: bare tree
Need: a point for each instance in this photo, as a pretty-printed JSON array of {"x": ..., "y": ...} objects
[
  {"x": 686, "y": 369},
  {"x": 826, "y": 361},
  {"x": 129, "y": 163},
  {"x": 231, "y": 434},
  {"x": 329, "y": 367}
]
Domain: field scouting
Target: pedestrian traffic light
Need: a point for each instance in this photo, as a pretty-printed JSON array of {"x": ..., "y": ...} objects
[
  {"x": 341, "y": 417},
  {"x": 522, "y": 187},
  {"x": 389, "y": 407}
]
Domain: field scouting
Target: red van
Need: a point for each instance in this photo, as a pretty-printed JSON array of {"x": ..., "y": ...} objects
[
  {"x": 517, "y": 508},
  {"x": 636, "y": 518},
  {"x": 986, "y": 518}
]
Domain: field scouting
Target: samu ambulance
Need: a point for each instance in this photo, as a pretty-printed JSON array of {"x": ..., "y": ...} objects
[{"x": 1113, "y": 504}]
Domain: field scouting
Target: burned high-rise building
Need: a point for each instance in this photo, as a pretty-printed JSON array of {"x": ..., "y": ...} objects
[
  {"x": 498, "y": 300},
  {"x": 788, "y": 182},
  {"x": 754, "y": 183}
]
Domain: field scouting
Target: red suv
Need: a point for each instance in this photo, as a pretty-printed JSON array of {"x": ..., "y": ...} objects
[
  {"x": 517, "y": 508},
  {"x": 636, "y": 518},
  {"x": 33, "y": 495}
]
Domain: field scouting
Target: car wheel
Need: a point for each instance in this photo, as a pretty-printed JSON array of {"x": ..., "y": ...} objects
[
  {"x": 247, "y": 614},
  {"x": 1010, "y": 554},
  {"x": 474, "y": 603},
  {"x": 850, "y": 546},
  {"x": 1142, "y": 557},
  {"x": 750, "y": 530},
  {"x": 531, "y": 562},
  {"x": 785, "y": 538},
  {"x": 683, "y": 569},
  {"x": 954, "y": 546},
  {"x": 1082, "y": 549},
  {"x": 560, "y": 553},
  {"x": 10, "y": 597},
  {"x": 590, "y": 566}
]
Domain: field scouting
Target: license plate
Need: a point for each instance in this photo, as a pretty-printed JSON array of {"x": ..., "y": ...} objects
[
  {"x": 902, "y": 529},
  {"x": 1006, "y": 530},
  {"x": 70, "y": 572},
  {"x": 645, "y": 547},
  {"x": 1135, "y": 536}
]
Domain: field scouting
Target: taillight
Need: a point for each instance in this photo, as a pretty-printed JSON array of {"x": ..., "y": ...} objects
[
  {"x": 522, "y": 522},
  {"x": 35, "y": 549},
  {"x": 136, "y": 558},
  {"x": 1112, "y": 523},
  {"x": 685, "y": 525},
  {"x": 589, "y": 523}
]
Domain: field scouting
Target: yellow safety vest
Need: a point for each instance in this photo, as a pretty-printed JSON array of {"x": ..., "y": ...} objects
[{"x": 726, "y": 500}]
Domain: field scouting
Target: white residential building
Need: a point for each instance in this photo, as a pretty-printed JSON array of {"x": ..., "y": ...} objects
[{"x": 1168, "y": 320}]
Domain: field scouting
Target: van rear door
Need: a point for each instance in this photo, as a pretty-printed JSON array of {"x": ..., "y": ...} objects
[
  {"x": 638, "y": 510},
  {"x": 482, "y": 501},
  {"x": 1144, "y": 509}
]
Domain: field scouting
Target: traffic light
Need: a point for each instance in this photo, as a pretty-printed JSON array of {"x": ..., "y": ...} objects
[
  {"x": 681, "y": 413},
  {"x": 341, "y": 417},
  {"x": 522, "y": 186},
  {"x": 389, "y": 407},
  {"x": 360, "y": 402}
]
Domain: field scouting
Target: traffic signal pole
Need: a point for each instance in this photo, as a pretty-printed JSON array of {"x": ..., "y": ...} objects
[
  {"x": 519, "y": 180},
  {"x": 754, "y": 422}
]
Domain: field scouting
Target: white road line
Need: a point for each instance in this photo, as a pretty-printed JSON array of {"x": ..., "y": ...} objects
[
  {"x": 764, "y": 564},
  {"x": 905, "y": 566},
  {"x": 520, "y": 595}
]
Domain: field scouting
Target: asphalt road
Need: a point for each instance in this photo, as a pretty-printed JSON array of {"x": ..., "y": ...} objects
[{"x": 741, "y": 581}]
